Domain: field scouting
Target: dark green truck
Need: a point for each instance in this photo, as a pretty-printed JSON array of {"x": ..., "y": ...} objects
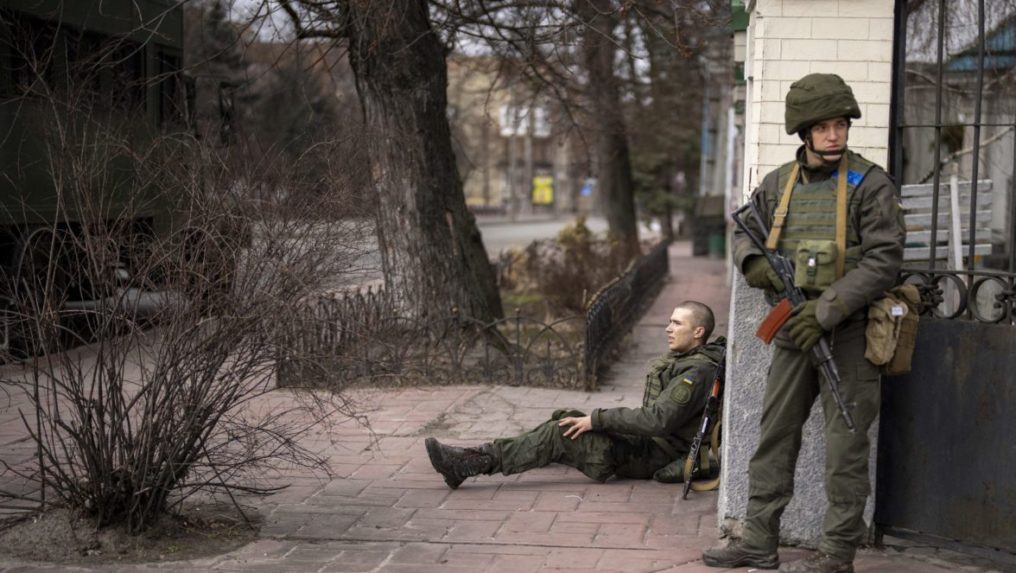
[{"x": 86, "y": 88}]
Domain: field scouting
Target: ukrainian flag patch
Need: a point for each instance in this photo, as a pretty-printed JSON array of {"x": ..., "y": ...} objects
[
  {"x": 853, "y": 177},
  {"x": 681, "y": 394}
]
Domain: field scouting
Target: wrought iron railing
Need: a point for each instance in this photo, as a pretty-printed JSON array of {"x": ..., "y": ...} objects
[
  {"x": 985, "y": 296},
  {"x": 616, "y": 307},
  {"x": 953, "y": 123},
  {"x": 449, "y": 349},
  {"x": 359, "y": 337},
  {"x": 334, "y": 321}
]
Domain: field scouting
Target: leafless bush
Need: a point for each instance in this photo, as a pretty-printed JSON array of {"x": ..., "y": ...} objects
[
  {"x": 566, "y": 271},
  {"x": 181, "y": 272}
]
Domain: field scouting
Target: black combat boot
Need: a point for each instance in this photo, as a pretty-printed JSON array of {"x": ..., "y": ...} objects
[
  {"x": 818, "y": 563},
  {"x": 456, "y": 464},
  {"x": 737, "y": 554}
]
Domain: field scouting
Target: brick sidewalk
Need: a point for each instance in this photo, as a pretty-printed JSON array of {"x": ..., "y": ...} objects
[{"x": 388, "y": 512}]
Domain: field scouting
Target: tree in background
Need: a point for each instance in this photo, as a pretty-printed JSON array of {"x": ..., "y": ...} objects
[
  {"x": 603, "y": 91},
  {"x": 281, "y": 102},
  {"x": 215, "y": 55},
  {"x": 626, "y": 73},
  {"x": 572, "y": 50},
  {"x": 665, "y": 109},
  {"x": 431, "y": 248}
]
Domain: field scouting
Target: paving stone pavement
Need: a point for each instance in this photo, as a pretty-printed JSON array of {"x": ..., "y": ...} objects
[{"x": 387, "y": 511}]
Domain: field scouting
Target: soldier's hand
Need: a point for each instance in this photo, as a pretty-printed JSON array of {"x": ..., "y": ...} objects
[
  {"x": 576, "y": 426},
  {"x": 804, "y": 326},
  {"x": 760, "y": 274}
]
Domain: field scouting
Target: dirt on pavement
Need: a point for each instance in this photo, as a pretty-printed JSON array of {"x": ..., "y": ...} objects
[{"x": 63, "y": 536}]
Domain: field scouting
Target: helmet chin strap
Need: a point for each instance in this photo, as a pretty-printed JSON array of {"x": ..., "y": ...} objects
[{"x": 823, "y": 154}]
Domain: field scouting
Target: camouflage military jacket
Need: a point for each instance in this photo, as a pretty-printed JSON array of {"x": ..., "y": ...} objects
[
  {"x": 874, "y": 216},
  {"x": 677, "y": 387}
]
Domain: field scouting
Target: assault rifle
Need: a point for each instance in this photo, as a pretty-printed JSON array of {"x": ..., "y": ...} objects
[
  {"x": 792, "y": 296},
  {"x": 712, "y": 407}
]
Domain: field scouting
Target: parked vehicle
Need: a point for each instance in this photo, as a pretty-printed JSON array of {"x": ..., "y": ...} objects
[{"x": 73, "y": 73}]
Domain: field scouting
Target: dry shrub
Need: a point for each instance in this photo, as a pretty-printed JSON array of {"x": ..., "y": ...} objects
[
  {"x": 565, "y": 272},
  {"x": 182, "y": 268}
]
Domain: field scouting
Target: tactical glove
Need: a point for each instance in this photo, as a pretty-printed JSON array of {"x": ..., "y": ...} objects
[
  {"x": 803, "y": 325},
  {"x": 760, "y": 274}
]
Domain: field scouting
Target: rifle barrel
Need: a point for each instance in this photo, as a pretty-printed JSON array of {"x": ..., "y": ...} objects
[{"x": 824, "y": 356}]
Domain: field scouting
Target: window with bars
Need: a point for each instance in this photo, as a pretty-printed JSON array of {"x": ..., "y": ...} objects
[{"x": 954, "y": 150}]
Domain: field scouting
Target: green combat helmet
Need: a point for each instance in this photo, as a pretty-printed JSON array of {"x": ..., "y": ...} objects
[{"x": 818, "y": 97}]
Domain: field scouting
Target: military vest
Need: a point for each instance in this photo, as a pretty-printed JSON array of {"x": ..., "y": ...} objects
[
  {"x": 666, "y": 368},
  {"x": 811, "y": 223}
]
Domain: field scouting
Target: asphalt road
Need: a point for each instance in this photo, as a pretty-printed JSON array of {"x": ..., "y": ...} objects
[{"x": 499, "y": 235}]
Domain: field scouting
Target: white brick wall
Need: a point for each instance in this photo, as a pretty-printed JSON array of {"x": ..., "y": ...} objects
[
  {"x": 791, "y": 38},
  {"x": 841, "y": 28},
  {"x": 864, "y": 50},
  {"x": 740, "y": 46},
  {"x": 880, "y": 29}
]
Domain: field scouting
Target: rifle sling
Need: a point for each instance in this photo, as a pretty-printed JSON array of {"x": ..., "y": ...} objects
[
  {"x": 841, "y": 216},
  {"x": 782, "y": 209},
  {"x": 689, "y": 464}
]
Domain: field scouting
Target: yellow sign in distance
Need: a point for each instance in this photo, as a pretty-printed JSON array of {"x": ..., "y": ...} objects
[{"x": 543, "y": 190}]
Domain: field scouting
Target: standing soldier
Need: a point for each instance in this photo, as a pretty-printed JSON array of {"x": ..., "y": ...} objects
[
  {"x": 647, "y": 442},
  {"x": 837, "y": 217}
]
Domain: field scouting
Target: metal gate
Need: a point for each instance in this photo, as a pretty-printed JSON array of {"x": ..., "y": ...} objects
[{"x": 947, "y": 456}]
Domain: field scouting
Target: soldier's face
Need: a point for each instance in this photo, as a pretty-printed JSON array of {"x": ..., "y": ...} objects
[
  {"x": 682, "y": 333},
  {"x": 830, "y": 136}
]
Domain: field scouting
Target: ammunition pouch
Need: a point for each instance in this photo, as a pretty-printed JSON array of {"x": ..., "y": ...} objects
[
  {"x": 815, "y": 265},
  {"x": 892, "y": 330}
]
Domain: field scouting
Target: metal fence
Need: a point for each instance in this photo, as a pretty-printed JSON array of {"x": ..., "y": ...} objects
[
  {"x": 954, "y": 122},
  {"x": 334, "y": 322},
  {"x": 357, "y": 337},
  {"x": 445, "y": 349},
  {"x": 616, "y": 307},
  {"x": 982, "y": 295}
]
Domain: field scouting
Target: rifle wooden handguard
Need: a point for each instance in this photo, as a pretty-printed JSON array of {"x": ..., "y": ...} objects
[{"x": 774, "y": 321}]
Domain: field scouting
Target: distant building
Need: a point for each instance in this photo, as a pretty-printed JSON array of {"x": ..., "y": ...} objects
[
  {"x": 722, "y": 127},
  {"x": 514, "y": 149}
]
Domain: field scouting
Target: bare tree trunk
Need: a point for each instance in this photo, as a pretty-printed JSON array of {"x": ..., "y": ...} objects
[
  {"x": 667, "y": 223},
  {"x": 614, "y": 177},
  {"x": 432, "y": 252}
]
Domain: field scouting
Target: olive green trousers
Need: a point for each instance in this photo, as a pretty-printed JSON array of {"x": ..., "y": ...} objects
[
  {"x": 793, "y": 385},
  {"x": 598, "y": 455}
]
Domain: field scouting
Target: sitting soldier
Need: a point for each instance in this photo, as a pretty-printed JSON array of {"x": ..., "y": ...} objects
[{"x": 647, "y": 442}]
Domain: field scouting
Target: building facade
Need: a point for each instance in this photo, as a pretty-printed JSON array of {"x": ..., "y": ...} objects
[{"x": 513, "y": 149}]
